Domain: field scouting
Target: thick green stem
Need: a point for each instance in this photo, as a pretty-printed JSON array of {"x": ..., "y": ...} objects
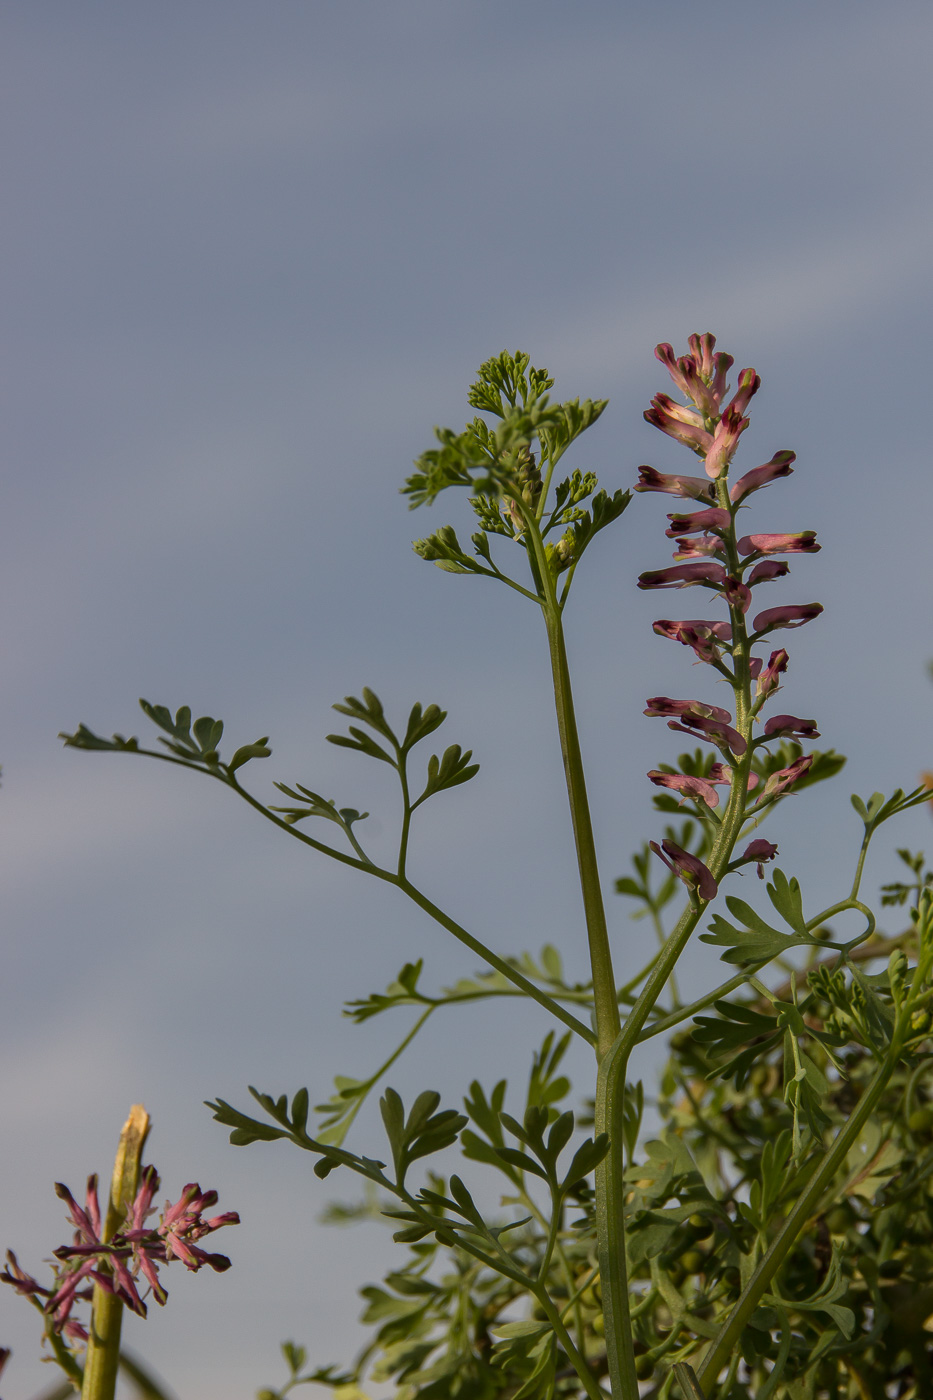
[
  {"x": 103, "y": 1348},
  {"x": 610, "y": 1094},
  {"x": 604, "y": 990}
]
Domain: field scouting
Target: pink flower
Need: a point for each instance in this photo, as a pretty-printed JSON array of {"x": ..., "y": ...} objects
[
  {"x": 722, "y": 449},
  {"x": 688, "y": 868},
  {"x": 768, "y": 569},
  {"x": 801, "y": 543},
  {"x": 768, "y": 680},
  {"x": 700, "y": 375},
  {"x": 720, "y": 774},
  {"x": 737, "y": 594},
  {"x": 715, "y": 518},
  {"x": 695, "y": 488},
  {"x": 700, "y": 548},
  {"x": 135, "y": 1248},
  {"x": 681, "y": 371},
  {"x": 749, "y": 384},
  {"x": 711, "y": 729},
  {"x": 697, "y": 788},
  {"x": 701, "y": 636},
  {"x": 683, "y": 424},
  {"x": 786, "y": 726},
  {"x": 661, "y": 705},
  {"x": 780, "y": 465},
  {"x": 759, "y": 851},
  {"x": 785, "y": 777},
  {"x": 709, "y": 720},
  {"x": 790, "y": 615},
  {"x": 683, "y": 575}
]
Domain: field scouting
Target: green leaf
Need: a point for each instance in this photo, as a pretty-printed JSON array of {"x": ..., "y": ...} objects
[
  {"x": 740, "y": 1035},
  {"x": 786, "y": 898},
  {"x": 84, "y": 738},
  {"x": 249, "y": 751},
  {"x": 585, "y": 1160},
  {"x": 421, "y": 723},
  {"x": 363, "y": 743},
  {"x": 521, "y": 1329},
  {"x": 453, "y": 768}
]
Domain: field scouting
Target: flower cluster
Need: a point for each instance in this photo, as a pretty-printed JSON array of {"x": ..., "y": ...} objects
[
  {"x": 136, "y": 1248},
  {"x": 709, "y": 553}
]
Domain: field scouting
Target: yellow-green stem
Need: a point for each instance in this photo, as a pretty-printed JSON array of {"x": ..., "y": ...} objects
[{"x": 103, "y": 1348}]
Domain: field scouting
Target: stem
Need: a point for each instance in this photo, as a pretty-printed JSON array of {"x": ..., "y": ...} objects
[
  {"x": 406, "y": 814},
  {"x": 725, "y": 1343},
  {"x": 579, "y": 1363},
  {"x": 604, "y": 989},
  {"x": 103, "y": 1348},
  {"x": 495, "y": 961}
]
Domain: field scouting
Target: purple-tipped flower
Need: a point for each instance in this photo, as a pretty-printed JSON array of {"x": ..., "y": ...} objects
[
  {"x": 713, "y": 519},
  {"x": 769, "y": 678},
  {"x": 663, "y": 706},
  {"x": 737, "y": 594},
  {"x": 785, "y": 777},
  {"x": 700, "y": 548},
  {"x": 703, "y": 637},
  {"x": 749, "y": 384},
  {"x": 720, "y": 774},
  {"x": 789, "y": 726},
  {"x": 722, "y": 449},
  {"x": 683, "y": 575},
  {"x": 711, "y": 721},
  {"x": 135, "y": 1248},
  {"x": 758, "y": 851},
  {"x": 767, "y": 570},
  {"x": 695, "y": 488},
  {"x": 688, "y": 868},
  {"x": 677, "y": 369},
  {"x": 780, "y": 465},
  {"x": 683, "y": 424},
  {"x": 804, "y": 542},
  {"x": 698, "y": 788},
  {"x": 790, "y": 615},
  {"x": 711, "y": 729}
]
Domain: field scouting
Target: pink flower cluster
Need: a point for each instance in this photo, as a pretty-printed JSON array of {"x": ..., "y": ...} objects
[
  {"x": 709, "y": 555},
  {"x": 137, "y": 1248}
]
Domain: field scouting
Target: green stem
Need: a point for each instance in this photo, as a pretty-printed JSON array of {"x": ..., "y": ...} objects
[
  {"x": 406, "y": 814},
  {"x": 604, "y": 990},
  {"x": 392, "y": 878},
  {"x": 684, "y": 1013},
  {"x": 103, "y": 1349},
  {"x": 579, "y": 1363},
  {"x": 728, "y": 1338},
  {"x": 495, "y": 961}
]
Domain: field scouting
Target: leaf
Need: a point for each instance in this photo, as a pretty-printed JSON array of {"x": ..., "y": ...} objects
[
  {"x": 421, "y": 723},
  {"x": 451, "y": 769},
  {"x": 249, "y": 751},
  {"x": 520, "y": 1329},
  {"x": 585, "y": 1160},
  {"x": 84, "y": 738},
  {"x": 786, "y": 897},
  {"x": 361, "y": 742}
]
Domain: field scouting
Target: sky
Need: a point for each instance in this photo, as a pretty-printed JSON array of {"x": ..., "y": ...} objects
[{"x": 253, "y": 254}]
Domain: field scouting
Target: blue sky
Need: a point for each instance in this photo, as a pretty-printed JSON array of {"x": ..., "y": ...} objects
[{"x": 253, "y": 254}]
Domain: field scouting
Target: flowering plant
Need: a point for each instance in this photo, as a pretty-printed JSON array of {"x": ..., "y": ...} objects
[
  {"x": 103, "y": 1264},
  {"x": 704, "y": 1260}
]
